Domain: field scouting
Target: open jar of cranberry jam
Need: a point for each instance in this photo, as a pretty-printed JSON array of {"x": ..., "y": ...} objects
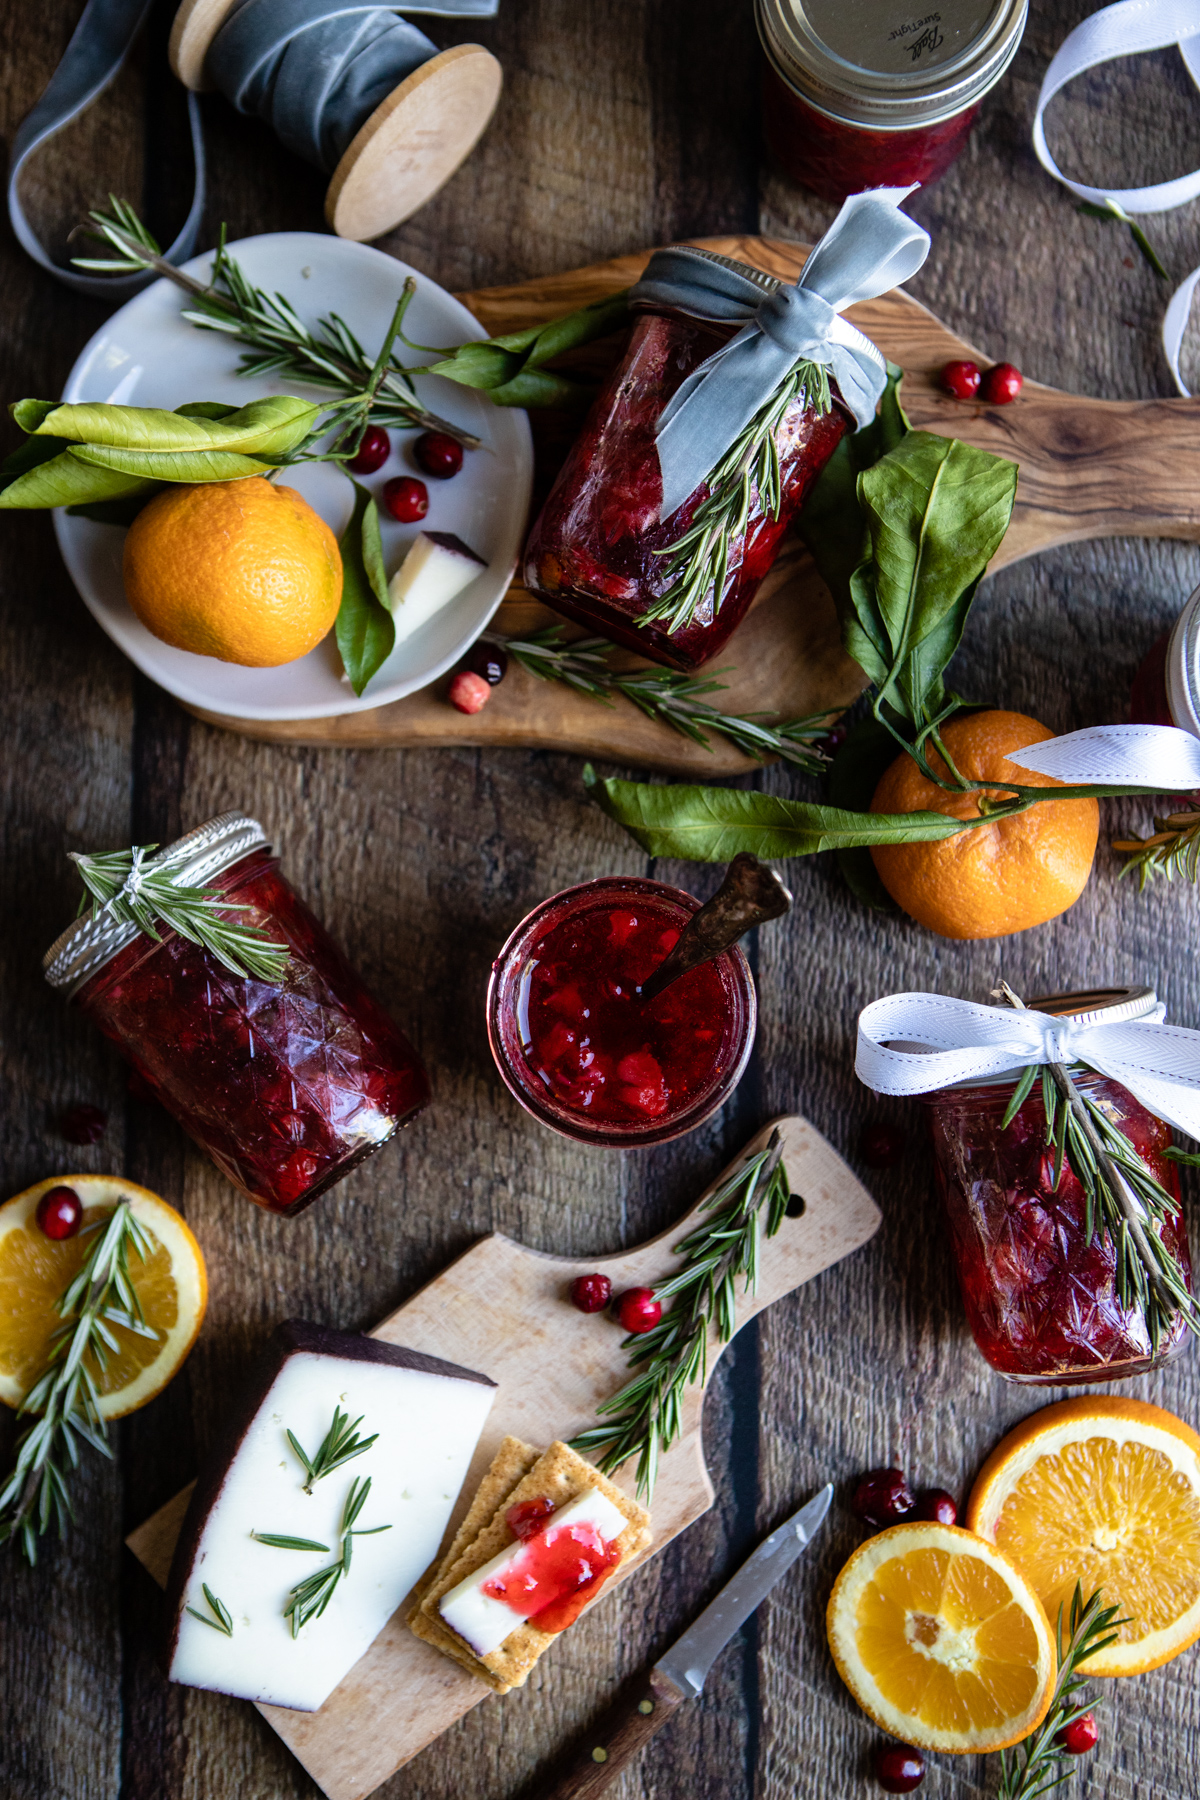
[
  {"x": 575, "y": 1042},
  {"x": 872, "y": 95},
  {"x": 1040, "y": 1299},
  {"x": 287, "y": 1085},
  {"x": 597, "y": 549}
]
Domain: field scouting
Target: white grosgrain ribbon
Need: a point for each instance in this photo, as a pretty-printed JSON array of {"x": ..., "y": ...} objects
[
  {"x": 917, "y": 1043},
  {"x": 1130, "y": 28},
  {"x": 870, "y": 248},
  {"x": 1158, "y": 758}
]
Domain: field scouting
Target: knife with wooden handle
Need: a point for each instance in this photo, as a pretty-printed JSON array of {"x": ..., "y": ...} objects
[{"x": 680, "y": 1675}]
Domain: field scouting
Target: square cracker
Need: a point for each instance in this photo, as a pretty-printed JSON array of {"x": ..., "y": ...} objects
[{"x": 561, "y": 1475}]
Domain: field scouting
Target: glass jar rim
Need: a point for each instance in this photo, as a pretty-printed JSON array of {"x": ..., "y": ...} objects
[
  {"x": 91, "y": 941},
  {"x": 800, "y": 39},
  {"x": 560, "y": 1119}
]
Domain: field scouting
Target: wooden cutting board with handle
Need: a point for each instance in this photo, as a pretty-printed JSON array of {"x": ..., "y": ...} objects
[
  {"x": 504, "y": 1310},
  {"x": 1089, "y": 468}
]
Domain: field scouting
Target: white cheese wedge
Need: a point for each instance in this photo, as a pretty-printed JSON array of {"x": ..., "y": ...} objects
[
  {"x": 427, "y": 1415},
  {"x": 436, "y": 570},
  {"x": 483, "y": 1621}
]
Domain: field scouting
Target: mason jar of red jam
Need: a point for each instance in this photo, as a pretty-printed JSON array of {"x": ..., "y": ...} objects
[
  {"x": 1040, "y": 1299},
  {"x": 286, "y": 1085},
  {"x": 577, "y": 1045},
  {"x": 869, "y": 95},
  {"x": 595, "y": 551},
  {"x": 1166, "y": 687}
]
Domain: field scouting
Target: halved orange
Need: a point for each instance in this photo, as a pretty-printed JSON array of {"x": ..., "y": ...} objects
[
  {"x": 941, "y": 1640},
  {"x": 36, "y": 1270},
  {"x": 1104, "y": 1491}
]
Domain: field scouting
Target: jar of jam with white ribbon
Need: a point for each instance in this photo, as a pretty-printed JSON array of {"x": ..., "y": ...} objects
[
  {"x": 1037, "y": 1262},
  {"x": 287, "y": 1077},
  {"x": 873, "y": 95}
]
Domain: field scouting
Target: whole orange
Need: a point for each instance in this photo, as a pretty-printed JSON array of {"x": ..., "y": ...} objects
[
  {"x": 997, "y": 878},
  {"x": 241, "y": 570}
]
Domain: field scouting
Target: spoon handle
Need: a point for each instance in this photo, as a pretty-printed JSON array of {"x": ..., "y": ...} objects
[{"x": 750, "y": 894}]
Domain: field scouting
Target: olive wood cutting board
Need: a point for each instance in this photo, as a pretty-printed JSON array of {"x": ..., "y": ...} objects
[
  {"x": 503, "y": 1309},
  {"x": 1089, "y": 468}
]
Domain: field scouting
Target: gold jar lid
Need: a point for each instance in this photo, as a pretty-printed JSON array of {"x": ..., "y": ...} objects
[{"x": 873, "y": 63}]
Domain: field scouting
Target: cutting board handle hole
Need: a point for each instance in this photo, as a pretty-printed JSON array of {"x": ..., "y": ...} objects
[{"x": 797, "y": 1206}]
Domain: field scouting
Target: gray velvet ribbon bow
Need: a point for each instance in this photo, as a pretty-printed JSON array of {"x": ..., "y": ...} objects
[{"x": 870, "y": 247}]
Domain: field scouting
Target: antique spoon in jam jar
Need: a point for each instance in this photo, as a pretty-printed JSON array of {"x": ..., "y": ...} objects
[{"x": 750, "y": 894}]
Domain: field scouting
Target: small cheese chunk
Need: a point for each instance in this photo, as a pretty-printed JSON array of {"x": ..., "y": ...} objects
[
  {"x": 436, "y": 570},
  {"x": 482, "y": 1620},
  {"x": 425, "y": 1415}
]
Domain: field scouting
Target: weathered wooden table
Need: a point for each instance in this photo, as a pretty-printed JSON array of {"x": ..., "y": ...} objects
[{"x": 624, "y": 123}]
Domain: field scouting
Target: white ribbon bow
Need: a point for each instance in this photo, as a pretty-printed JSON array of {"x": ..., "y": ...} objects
[
  {"x": 1130, "y": 28},
  {"x": 917, "y": 1043},
  {"x": 1160, "y": 758}
]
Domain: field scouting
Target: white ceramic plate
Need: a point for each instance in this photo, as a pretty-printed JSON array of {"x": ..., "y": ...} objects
[{"x": 147, "y": 355}]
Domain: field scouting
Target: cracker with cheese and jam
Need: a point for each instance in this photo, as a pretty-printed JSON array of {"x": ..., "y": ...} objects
[{"x": 542, "y": 1536}]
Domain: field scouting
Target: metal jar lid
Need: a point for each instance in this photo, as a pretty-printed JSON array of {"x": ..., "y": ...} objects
[
  {"x": 89, "y": 943},
  {"x": 693, "y": 253},
  {"x": 874, "y": 63},
  {"x": 1086, "y": 1006}
]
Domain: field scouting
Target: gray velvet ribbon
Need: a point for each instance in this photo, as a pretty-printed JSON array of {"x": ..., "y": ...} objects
[
  {"x": 315, "y": 70},
  {"x": 870, "y": 247}
]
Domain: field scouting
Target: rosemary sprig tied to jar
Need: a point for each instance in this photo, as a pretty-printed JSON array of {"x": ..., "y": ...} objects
[{"x": 133, "y": 891}]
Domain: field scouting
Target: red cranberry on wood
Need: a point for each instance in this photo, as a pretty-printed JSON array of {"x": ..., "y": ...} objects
[
  {"x": 406, "y": 498},
  {"x": 937, "y": 1506},
  {"x": 1001, "y": 385},
  {"x": 899, "y": 1769},
  {"x": 373, "y": 451},
  {"x": 638, "y": 1310},
  {"x": 84, "y": 1124},
  {"x": 468, "y": 693},
  {"x": 439, "y": 455},
  {"x": 961, "y": 379},
  {"x": 591, "y": 1293},
  {"x": 1079, "y": 1735},
  {"x": 882, "y": 1497},
  {"x": 60, "y": 1212},
  {"x": 882, "y": 1146}
]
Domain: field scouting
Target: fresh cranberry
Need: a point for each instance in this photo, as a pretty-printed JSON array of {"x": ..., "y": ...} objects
[
  {"x": 1001, "y": 385},
  {"x": 374, "y": 448},
  {"x": 1079, "y": 1735},
  {"x": 439, "y": 455},
  {"x": 469, "y": 693},
  {"x": 961, "y": 379},
  {"x": 84, "y": 1124},
  {"x": 937, "y": 1506},
  {"x": 882, "y": 1497},
  {"x": 638, "y": 1310},
  {"x": 591, "y": 1293},
  {"x": 60, "y": 1212},
  {"x": 526, "y": 1519},
  {"x": 488, "y": 660},
  {"x": 882, "y": 1146},
  {"x": 406, "y": 498},
  {"x": 899, "y": 1769}
]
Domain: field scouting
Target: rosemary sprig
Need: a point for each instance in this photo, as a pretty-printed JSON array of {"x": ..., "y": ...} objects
[
  {"x": 667, "y": 695},
  {"x": 309, "y": 1598},
  {"x": 1124, "y": 1201},
  {"x": 100, "y": 1297},
  {"x": 223, "y": 1619},
  {"x": 698, "y": 562},
  {"x": 340, "y": 1444},
  {"x": 133, "y": 891},
  {"x": 277, "y": 1541},
  {"x": 1173, "y": 849},
  {"x": 644, "y": 1417},
  {"x": 1040, "y": 1763}
]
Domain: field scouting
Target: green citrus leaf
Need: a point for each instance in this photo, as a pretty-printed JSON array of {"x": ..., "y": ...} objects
[
  {"x": 66, "y": 481},
  {"x": 268, "y": 427},
  {"x": 366, "y": 631},
  {"x": 162, "y": 465}
]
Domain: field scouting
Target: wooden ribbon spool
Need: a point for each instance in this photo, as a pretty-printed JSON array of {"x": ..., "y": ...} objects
[{"x": 409, "y": 146}]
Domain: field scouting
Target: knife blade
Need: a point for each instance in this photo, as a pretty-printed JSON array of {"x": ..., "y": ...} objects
[{"x": 681, "y": 1672}]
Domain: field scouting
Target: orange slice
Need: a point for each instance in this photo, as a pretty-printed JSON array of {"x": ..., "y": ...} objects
[
  {"x": 941, "y": 1640},
  {"x": 36, "y": 1270},
  {"x": 1105, "y": 1492}
]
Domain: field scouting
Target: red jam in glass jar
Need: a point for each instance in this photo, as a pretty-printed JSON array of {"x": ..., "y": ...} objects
[
  {"x": 1040, "y": 1298},
  {"x": 594, "y": 553},
  {"x": 577, "y": 1045},
  {"x": 867, "y": 96},
  {"x": 286, "y": 1085}
]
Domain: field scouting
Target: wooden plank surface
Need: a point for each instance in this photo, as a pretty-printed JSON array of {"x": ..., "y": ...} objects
[{"x": 624, "y": 123}]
